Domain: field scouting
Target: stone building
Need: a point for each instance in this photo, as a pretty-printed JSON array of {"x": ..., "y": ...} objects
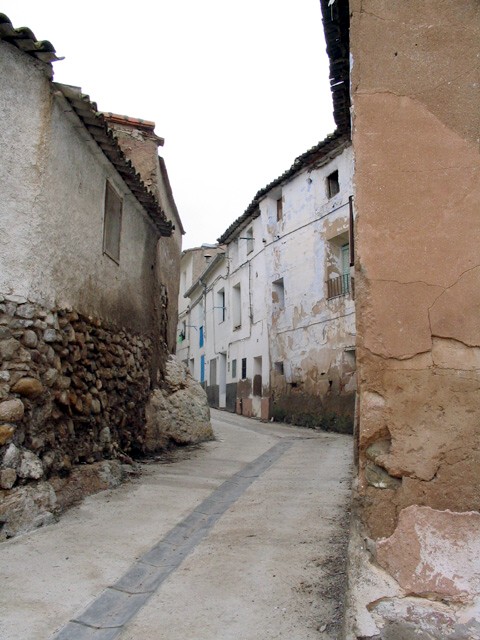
[
  {"x": 270, "y": 323},
  {"x": 414, "y": 112},
  {"x": 88, "y": 296}
]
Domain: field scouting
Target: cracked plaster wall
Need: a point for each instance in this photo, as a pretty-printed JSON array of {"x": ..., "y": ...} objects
[
  {"x": 416, "y": 119},
  {"x": 417, "y": 189},
  {"x": 312, "y": 336}
]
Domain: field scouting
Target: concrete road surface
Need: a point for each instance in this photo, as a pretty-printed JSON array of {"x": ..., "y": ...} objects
[{"x": 243, "y": 538}]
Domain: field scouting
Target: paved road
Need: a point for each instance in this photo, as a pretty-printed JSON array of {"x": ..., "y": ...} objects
[{"x": 242, "y": 538}]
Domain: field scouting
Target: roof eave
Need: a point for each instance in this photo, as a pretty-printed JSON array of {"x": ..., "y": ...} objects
[
  {"x": 323, "y": 150},
  {"x": 200, "y": 280},
  {"x": 95, "y": 123}
]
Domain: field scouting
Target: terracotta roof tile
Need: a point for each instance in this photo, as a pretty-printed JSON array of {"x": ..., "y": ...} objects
[
  {"x": 96, "y": 124},
  {"x": 336, "y": 22},
  {"x": 24, "y": 39},
  {"x": 94, "y": 121}
]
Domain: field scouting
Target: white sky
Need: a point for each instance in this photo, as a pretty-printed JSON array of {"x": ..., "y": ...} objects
[{"x": 237, "y": 89}]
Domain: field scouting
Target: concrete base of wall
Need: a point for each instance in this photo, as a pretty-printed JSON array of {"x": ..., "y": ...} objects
[
  {"x": 330, "y": 413},
  {"x": 213, "y": 395},
  {"x": 232, "y": 397}
]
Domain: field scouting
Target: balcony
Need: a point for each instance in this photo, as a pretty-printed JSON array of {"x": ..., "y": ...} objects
[{"x": 340, "y": 286}]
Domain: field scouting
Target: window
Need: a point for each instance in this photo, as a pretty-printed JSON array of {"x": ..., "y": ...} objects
[
  {"x": 183, "y": 332},
  {"x": 234, "y": 369},
  {"x": 278, "y": 295},
  {"x": 202, "y": 368},
  {"x": 333, "y": 186},
  {"x": 221, "y": 305},
  {"x": 200, "y": 337},
  {"x": 338, "y": 269},
  {"x": 279, "y": 368},
  {"x": 244, "y": 368},
  {"x": 249, "y": 237},
  {"x": 279, "y": 209},
  {"x": 237, "y": 306},
  {"x": 112, "y": 225}
]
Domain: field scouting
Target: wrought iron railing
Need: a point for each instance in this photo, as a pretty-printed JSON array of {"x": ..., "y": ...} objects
[{"x": 340, "y": 286}]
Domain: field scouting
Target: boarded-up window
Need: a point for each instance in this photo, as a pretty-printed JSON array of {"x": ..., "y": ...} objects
[{"x": 112, "y": 227}]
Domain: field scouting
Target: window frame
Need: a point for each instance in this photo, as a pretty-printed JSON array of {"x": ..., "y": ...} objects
[
  {"x": 333, "y": 184},
  {"x": 112, "y": 222}
]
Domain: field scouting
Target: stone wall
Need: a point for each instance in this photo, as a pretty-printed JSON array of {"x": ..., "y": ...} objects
[{"x": 72, "y": 391}]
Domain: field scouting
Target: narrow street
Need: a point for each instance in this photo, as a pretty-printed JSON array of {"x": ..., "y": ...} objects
[{"x": 244, "y": 537}]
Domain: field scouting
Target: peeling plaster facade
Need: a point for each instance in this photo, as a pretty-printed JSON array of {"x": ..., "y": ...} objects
[
  {"x": 415, "y": 129},
  {"x": 312, "y": 329},
  {"x": 269, "y": 328}
]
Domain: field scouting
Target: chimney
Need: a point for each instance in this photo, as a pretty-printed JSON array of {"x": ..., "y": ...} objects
[{"x": 139, "y": 143}]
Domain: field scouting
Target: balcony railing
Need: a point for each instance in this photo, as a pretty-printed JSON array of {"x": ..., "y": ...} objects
[{"x": 340, "y": 286}]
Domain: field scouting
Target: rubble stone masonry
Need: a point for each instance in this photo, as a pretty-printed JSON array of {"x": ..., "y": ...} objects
[{"x": 73, "y": 390}]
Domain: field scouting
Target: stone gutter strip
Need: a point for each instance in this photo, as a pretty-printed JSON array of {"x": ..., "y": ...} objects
[{"x": 105, "y": 618}]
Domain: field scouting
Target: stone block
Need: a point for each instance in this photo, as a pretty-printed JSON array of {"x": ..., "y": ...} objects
[
  {"x": 28, "y": 387},
  {"x": 8, "y": 478},
  {"x": 11, "y": 410},
  {"x": 30, "y": 466},
  {"x": 8, "y": 348},
  {"x": 379, "y": 478},
  {"x": 419, "y": 619},
  {"x": 6, "y": 433}
]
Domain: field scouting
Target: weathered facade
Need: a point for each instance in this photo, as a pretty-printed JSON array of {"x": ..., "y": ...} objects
[
  {"x": 269, "y": 326},
  {"x": 84, "y": 310},
  {"x": 415, "y": 127},
  {"x": 138, "y": 141}
]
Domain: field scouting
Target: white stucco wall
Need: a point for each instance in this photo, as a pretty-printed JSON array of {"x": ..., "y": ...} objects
[
  {"x": 52, "y": 179},
  {"x": 312, "y": 336}
]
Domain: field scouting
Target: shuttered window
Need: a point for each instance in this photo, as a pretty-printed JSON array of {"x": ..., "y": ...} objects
[{"x": 112, "y": 226}]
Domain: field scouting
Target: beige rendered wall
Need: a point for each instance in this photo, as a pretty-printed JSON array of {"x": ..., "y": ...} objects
[
  {"x": 415, "y": 119},
  {"x": 416, "y": 98}
]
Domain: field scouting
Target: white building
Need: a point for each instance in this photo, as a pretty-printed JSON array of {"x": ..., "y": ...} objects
[{"x": 271, "y": 322}]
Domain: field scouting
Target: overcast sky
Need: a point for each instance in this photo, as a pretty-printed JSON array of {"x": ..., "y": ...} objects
[{"x": 237, "y": 89}]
